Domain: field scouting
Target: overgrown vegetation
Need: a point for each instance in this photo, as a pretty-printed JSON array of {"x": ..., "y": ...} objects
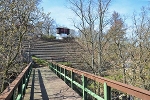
[
  {"x": 16, "y": 21},
  {"x": 48, "y": 37},
  {"x": 20, "y": 20},
  {"x": 108, "y": 49},
  {"x": 39, "y": 62},
  {"x": 43, "y": 62},
  {"x": 66, "y": 64}
]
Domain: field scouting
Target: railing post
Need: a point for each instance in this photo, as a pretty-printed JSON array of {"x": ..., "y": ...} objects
[
  {"x": 25, "y": 84},
  {"x": 72, "y": 79},
  {"x": 56, "y": 70},
  {"x": 60, "y": 72},
  {"x": 107, "y": 92},
  {"x": 28, "y": 73},
  {"x": 13, "y": 96},
  {"x": 26, "y": 79},
  {"x": 64, "y": 75},
  {"x": 51, "y": 66},
  {"x": 84, "y": 83},
  {"x": 20, "y": 92}
]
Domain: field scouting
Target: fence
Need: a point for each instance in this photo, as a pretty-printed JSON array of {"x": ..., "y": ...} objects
[
  {"x": 16, "y": 89},
  {"x": 63, "y": 71}
]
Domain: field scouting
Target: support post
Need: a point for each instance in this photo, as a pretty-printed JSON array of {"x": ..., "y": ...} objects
[
  {"x": 64, "y": 75},
  {"x": 72, "y": 79},
  {"x": 52, "y": 67},
  {"x": 26, "y": 79},
  {"x": 107, "y": 92},
  {"x": 84, "y": 83},
  {"x": 13, "y": 96},
  {"x": 49, "y": 64},
  {"x": 56, "y": 70},
  {"x": 25, "y": 84},
  {"x": 20, "y": 92},
  {"x": 60, "y": 72}
]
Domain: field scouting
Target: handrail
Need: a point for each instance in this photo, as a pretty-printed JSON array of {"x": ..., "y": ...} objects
[
  {"x": 108, "y": 84},
  {"x": 20, "y": 83}
]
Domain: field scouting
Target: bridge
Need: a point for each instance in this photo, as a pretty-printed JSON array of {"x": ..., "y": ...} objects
[
  {"x": 58, "y": 82},
  {"x": 57, "y": 89}
]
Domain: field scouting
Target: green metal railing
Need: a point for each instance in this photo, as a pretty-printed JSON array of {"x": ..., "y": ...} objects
[
  {"x": 108, "y": 85},
  {"x": 16, "y": 90}
]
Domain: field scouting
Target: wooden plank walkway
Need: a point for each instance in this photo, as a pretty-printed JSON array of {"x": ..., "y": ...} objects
[{"x": 45, "y": 85}]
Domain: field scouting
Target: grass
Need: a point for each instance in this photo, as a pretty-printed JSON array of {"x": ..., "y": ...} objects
[
  {"x": 117, "y": 77},
  {"x": 48, "y": 37},
  {"x": 44, "y": 62},
  {"x": 66, "y": 64},
  {"x": 40, "y": 61}
]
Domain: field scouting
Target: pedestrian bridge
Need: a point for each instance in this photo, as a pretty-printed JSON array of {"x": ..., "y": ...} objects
[{"x": 59, "y": 82}]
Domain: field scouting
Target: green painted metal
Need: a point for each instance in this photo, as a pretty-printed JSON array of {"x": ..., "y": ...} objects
[
  {"x": 65, "y": 75},
  {"x": 68, "y": 78},
  {"x": 84, "y": 88},
  {"x": 20, "y": 92},
  {"x": 72, "y": 79},
  {"x": 93, "y": 94},
  {"x": 84, "y": 83},
  {"x": 60, "y": 72},
  {"x": 19, "y": 97},
  {"x": 56, "y": 70},
  {"x": 77, "y": 84},
  {"x": 24, "y": 88},
  {"x": 13, "y": 96},
  {"x": 22, "y": 85},
  {"x": 107, "y": 92}
]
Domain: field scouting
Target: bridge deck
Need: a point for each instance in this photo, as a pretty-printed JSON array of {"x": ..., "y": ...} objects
[{"x": 45, "y": 85}]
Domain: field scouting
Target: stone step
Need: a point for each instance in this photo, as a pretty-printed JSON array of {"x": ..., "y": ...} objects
[{"x": 56, "y": 50}]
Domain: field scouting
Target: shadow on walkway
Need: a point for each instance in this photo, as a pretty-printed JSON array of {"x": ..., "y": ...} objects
[
  {"x": 32, "y": 87},
  {"x": 45, "y": 85},
  {"x": 42, "y": 87},
  {"x": 43, "y": 90}
]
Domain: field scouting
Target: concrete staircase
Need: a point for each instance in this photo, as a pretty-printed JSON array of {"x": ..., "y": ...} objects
[{"x": 57, "y": 51}]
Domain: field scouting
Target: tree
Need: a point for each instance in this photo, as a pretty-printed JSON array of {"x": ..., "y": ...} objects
[
  {"x": 16, "y": 21},
  {"x": 44, "y": 24},
  {"x": 103, "y": 22},
  {"x": 140, "y": 49},
  {"x": 84, "y": 10},
  {"x": 47, "y": 24},
  {"x": 92, "y": 13},
  {"x": 117, "y": 50}
]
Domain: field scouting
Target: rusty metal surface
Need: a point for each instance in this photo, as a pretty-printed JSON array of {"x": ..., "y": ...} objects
[
  {"x": 46, "y": 85},
  {"x": 134, "y": 91},
  {"x": 8, "y": 92}
]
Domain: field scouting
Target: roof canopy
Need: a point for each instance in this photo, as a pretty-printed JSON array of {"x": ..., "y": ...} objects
[{"x": 63, "y": 30}]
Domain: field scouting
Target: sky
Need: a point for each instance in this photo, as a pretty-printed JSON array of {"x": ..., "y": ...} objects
[{"x": 62, "y": 14}]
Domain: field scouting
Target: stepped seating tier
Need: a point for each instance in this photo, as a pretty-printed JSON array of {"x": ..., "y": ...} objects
[{"x": 56, "y": 50}]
